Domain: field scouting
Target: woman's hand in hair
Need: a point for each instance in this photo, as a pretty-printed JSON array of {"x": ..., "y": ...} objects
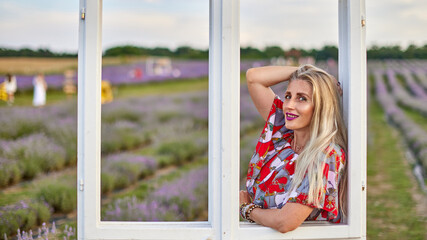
[{"x": 260, "y": 80}]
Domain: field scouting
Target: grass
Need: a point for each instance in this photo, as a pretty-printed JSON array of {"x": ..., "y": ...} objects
[
  {"x": 391, "y": 209},
  {"x": 162, "y": 88},
  {"x": 35, "y": 65},
  {"x": 29, "y": 190},
  {"x": 419, "y": 119}
]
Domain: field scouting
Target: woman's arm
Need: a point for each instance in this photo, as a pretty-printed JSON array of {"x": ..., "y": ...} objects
[
  {"x": 259, "y": 81},
  {"x": 286, "y": 219},
  {"x": 283, "y": 220}
]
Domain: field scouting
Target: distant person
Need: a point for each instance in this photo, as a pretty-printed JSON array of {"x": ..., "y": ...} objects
[
  {"x": 10, "y": 88},
  {"x": 40, "y": 87},
  {"x": 68, "y": 85}
]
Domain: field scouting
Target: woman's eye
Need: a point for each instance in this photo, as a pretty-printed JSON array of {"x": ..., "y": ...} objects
[
  {"x": 287, "y": 96},
  {"x": 302, "y": 98}
]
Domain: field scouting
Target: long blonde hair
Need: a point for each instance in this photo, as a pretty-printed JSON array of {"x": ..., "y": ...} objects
[{"x": 326, "y": 127}]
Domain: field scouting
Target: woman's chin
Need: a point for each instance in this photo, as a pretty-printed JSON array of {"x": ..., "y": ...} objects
[{"x": 290, "y": 126}]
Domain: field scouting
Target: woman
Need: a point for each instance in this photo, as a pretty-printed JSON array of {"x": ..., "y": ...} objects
[
  {"x": 40, "y": 87},
  {"x": 298, "y": 170},
  {"x": 10, "y": 87}
]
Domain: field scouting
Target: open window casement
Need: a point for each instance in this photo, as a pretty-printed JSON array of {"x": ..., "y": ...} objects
[{"x": 224, "y": 97}]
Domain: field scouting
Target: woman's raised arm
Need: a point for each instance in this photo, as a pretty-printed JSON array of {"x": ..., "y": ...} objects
[{"x": 259, "y": 81}]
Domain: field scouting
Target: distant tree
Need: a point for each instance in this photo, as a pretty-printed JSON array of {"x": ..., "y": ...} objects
[
  {"x": 161, "y": 51},
  {"x": 127, "y": 50},
  {"x": 293, "y": 53},
  {"x": 327, "y": 52},
  {"x": 274, "y": 51},
  {"x": 252, "y": 53},
  {"x": 187, "y": 52}
]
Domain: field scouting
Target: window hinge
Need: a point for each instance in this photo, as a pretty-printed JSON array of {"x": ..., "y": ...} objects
[
  {"x": 363, "y": 186},
  {"x": 83, "y": 14},
  {"x": 81, "y": 185},
  {"x": 363, "y": 21}
]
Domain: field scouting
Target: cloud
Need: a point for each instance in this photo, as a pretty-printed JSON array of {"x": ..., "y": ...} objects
[
  {"x": 400, "y": 22},
  {"x": 291, "y": 23},
  {"x": 302, "y": 23},
  {"x": 35, "y": 28},
  {"x": 152, "y": 29}
]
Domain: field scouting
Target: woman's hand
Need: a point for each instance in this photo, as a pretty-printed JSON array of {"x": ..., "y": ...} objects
[
  {"x": 244, "y": 197},
  {"x": 259, "y": 81}
]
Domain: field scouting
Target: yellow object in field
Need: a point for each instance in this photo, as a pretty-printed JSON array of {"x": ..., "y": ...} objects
[
  {"x": 3, "y": 94},
  {"x": 106, "y": 92}
]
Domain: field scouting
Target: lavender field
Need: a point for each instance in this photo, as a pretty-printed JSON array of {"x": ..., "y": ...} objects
[
  {"x": 155, "y": 148},
  {"x": 401, "y": 89},
  {"x": 154, "y": 160},
  {"x": 137, "y": 72}
]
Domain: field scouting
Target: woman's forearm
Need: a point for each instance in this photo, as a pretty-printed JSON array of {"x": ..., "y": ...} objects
[
  {"x": 283, "y": 220},
  {"x": 269, "y": 75}
]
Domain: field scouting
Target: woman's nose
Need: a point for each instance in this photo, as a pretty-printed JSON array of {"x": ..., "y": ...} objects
[{"x": 290, "y": 104}]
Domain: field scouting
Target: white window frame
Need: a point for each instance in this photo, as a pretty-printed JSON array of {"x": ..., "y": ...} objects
[{"x": 224, "y": 85}]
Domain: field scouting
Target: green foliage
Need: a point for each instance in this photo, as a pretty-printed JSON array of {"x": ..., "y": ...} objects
[
  {"x": 23, "y": 216},
  {"x": 187, "y": 52},
  {"x": 391, "y": 211},
  {"x": 116, "y": 114},
  {"x": 124, "y": 136},
  {"x": 179, "y": 151},
  {"x": 20, "y": 126},
  {"x": 26, "y": 52},
  {"x": 107, "y": 182},
  {"x": 9, "y": 172},
  {"x": 34, "y": 154},
  {"x": 274, "y": 51},
  {"x": 252, "y": 53},
  {"x": 167, "y": 116},
  {"x": 184, "y": 52},
  {"x": 62, "y": 198},
  {"x": 66, "y": 137},
  {"x": 396, "y": 52}
]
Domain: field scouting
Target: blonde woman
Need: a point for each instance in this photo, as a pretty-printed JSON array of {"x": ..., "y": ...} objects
[{"x": 298, "y": 171}]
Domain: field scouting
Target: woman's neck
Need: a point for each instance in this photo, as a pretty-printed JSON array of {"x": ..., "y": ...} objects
[{"x": 300, "y": 140}]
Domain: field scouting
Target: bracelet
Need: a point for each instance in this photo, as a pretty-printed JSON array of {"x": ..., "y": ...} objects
[
  {"x": 248, "y": 211},
  {"x": 242, "y": 209}
]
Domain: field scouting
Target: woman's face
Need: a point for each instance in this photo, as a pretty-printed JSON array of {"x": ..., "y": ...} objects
[{"x": 298, "y": 105}]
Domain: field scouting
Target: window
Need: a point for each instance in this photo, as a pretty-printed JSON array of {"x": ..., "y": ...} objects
[{"x": 223, "y": 222}]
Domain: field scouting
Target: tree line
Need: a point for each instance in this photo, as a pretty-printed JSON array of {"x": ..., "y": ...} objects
[{"x": 186, "y": 52}]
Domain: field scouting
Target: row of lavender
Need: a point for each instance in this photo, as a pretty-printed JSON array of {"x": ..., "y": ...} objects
[
  {"x": 139, "y": 72},
  {"x": 32, "y": 139},
  {"x": 415, "y": 136}
]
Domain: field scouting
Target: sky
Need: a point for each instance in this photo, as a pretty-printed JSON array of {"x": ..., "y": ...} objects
[{"x": 53, "y": 24}]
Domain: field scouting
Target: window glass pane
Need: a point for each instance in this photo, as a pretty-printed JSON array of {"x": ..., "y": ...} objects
[
  {"x": 283, "y": 33},
  {"x": 154, "y": 133}
]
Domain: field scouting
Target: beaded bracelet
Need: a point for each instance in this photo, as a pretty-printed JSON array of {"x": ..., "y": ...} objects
[
  {"x": 241, "y": 209},
  {"x": 248, "y": 211}
]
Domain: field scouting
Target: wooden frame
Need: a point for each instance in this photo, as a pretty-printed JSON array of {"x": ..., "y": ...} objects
[{"x": 224, "y": 74}]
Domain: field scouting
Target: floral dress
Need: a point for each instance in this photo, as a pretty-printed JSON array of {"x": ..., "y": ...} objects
[{"x": 272, "y": 167}]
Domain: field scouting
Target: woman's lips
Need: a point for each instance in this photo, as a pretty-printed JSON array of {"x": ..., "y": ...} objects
[{"x": 290, "y": 116}]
